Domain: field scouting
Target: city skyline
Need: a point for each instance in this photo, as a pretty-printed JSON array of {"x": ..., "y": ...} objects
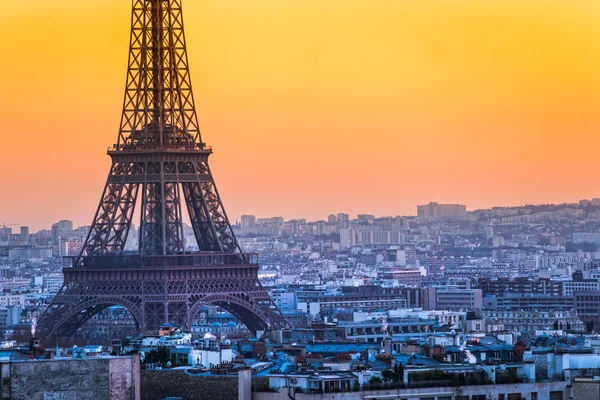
[
  {"x": 328, "y": 133},
  {"x": 239, "y": 220}
]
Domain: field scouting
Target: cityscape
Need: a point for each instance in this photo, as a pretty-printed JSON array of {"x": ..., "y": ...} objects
[
  {"x": 446, "y": 297},
  {"x": 296, "y": 294}
]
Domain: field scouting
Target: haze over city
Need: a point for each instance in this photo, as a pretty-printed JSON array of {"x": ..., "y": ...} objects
[
  {"x": 317, "y": 107},
  {"x": 408, "y": 203}
]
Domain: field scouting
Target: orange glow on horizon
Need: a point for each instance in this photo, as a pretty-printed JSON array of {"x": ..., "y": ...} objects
[{"x": 316, "y": 107}]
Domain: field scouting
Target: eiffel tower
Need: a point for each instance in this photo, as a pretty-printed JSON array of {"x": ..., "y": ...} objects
[{"x": 160, "y": 162}]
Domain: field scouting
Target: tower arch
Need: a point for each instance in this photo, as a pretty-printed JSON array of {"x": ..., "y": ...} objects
[
  {"x": 65, "y": 319},
  {"x": 252, "y": 316}
]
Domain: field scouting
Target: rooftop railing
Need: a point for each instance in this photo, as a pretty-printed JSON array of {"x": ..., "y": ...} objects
[
  {"x": 162, "y": 147},
  {"x": 179, "y": 260}
]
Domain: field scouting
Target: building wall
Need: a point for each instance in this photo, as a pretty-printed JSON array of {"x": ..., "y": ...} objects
[
  {"x": 209, "y": 357},
  {"x": 286, "y": 301},
  {"x": 586, "y": 389},
  {"x": 543, "y": 391},
  {"x": 9, "y": 316},
  {"x": 52, "y": 283},
  {"x": 26, "y": 253},
  {"x": 428, "y": 296},
  {"x": 12, "y": 299},
  {"x": 407, "y": 276},
  {"x": 114, "y": 378},
  {"x": 435, "y": 210},
  {"x": 587, "y": 305},
  {"x": 158, "y": 385},
  {"x": 532, "y": 321},
  {"x": 585, "y": 286},
  {"x": 458, "y": 299},
  {"x": 586, "y": 237},
  {"x": 536, "y": 302}
]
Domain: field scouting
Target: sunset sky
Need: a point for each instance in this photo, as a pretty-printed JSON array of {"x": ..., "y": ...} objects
[{"x": 316, "y": 106}]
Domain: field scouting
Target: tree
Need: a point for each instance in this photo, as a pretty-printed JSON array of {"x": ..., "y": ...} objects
[
  {"x": 556, "y": 325},
  {"x": 388, "y": 375},
  {"x": 589, "y": 326},
  {"x": 161, "y": 354},
  {"x": 375, "y": 380},
  {"x": 398, "y": 372}
]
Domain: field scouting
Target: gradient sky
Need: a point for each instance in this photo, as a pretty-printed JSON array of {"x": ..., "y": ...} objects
[{"x": 312, "y": 106}]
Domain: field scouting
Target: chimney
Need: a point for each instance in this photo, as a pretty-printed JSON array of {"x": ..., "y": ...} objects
[{"x": 387, "y": 346}]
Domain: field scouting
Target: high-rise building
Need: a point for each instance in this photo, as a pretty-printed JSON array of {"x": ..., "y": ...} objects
[
  {"x": 332, "y": 219},
  {"x": 343, "y": 217},
  {"x": 294, "y": 227},
  {"x": 435, "y": 210},
  {"x": 55, "y": 234},
  {"x": 489, "y": 232},
  {"x": 277, "y": 220},
  {"x": 320, "y": 227},
  {"x": 248, "y": 221},
  {"x": 65, "y": 225},
  {"x": 366, "y": 218},
  {"x": 5, "y": 234},
  {"x": 24, "y": 234},
  {"x": 58, "y": 228},
  {"x": 347, "y": 238}
]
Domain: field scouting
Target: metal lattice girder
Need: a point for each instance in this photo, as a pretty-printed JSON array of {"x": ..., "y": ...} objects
[
  {"x": 158, "y": 93},
  {"x": 160, "y": 184},
  {"x": 160, "y": 154},
  {"x": 113, "y": 218},
  {"x": 159, "y": 149},
  {"x": 161, "y": 295}
]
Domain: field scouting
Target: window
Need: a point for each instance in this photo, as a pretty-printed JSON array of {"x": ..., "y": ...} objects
[{"x": 557, "y": 395}]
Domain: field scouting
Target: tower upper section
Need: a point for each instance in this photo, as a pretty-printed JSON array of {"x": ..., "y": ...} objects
[{"x": 159, "y": 110}]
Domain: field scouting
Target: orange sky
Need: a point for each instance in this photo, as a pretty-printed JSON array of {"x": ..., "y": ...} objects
[{"x": 312, "y": 106}]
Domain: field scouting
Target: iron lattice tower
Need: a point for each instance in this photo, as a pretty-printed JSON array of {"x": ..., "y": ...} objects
[{"x": 161, "y": 159}]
